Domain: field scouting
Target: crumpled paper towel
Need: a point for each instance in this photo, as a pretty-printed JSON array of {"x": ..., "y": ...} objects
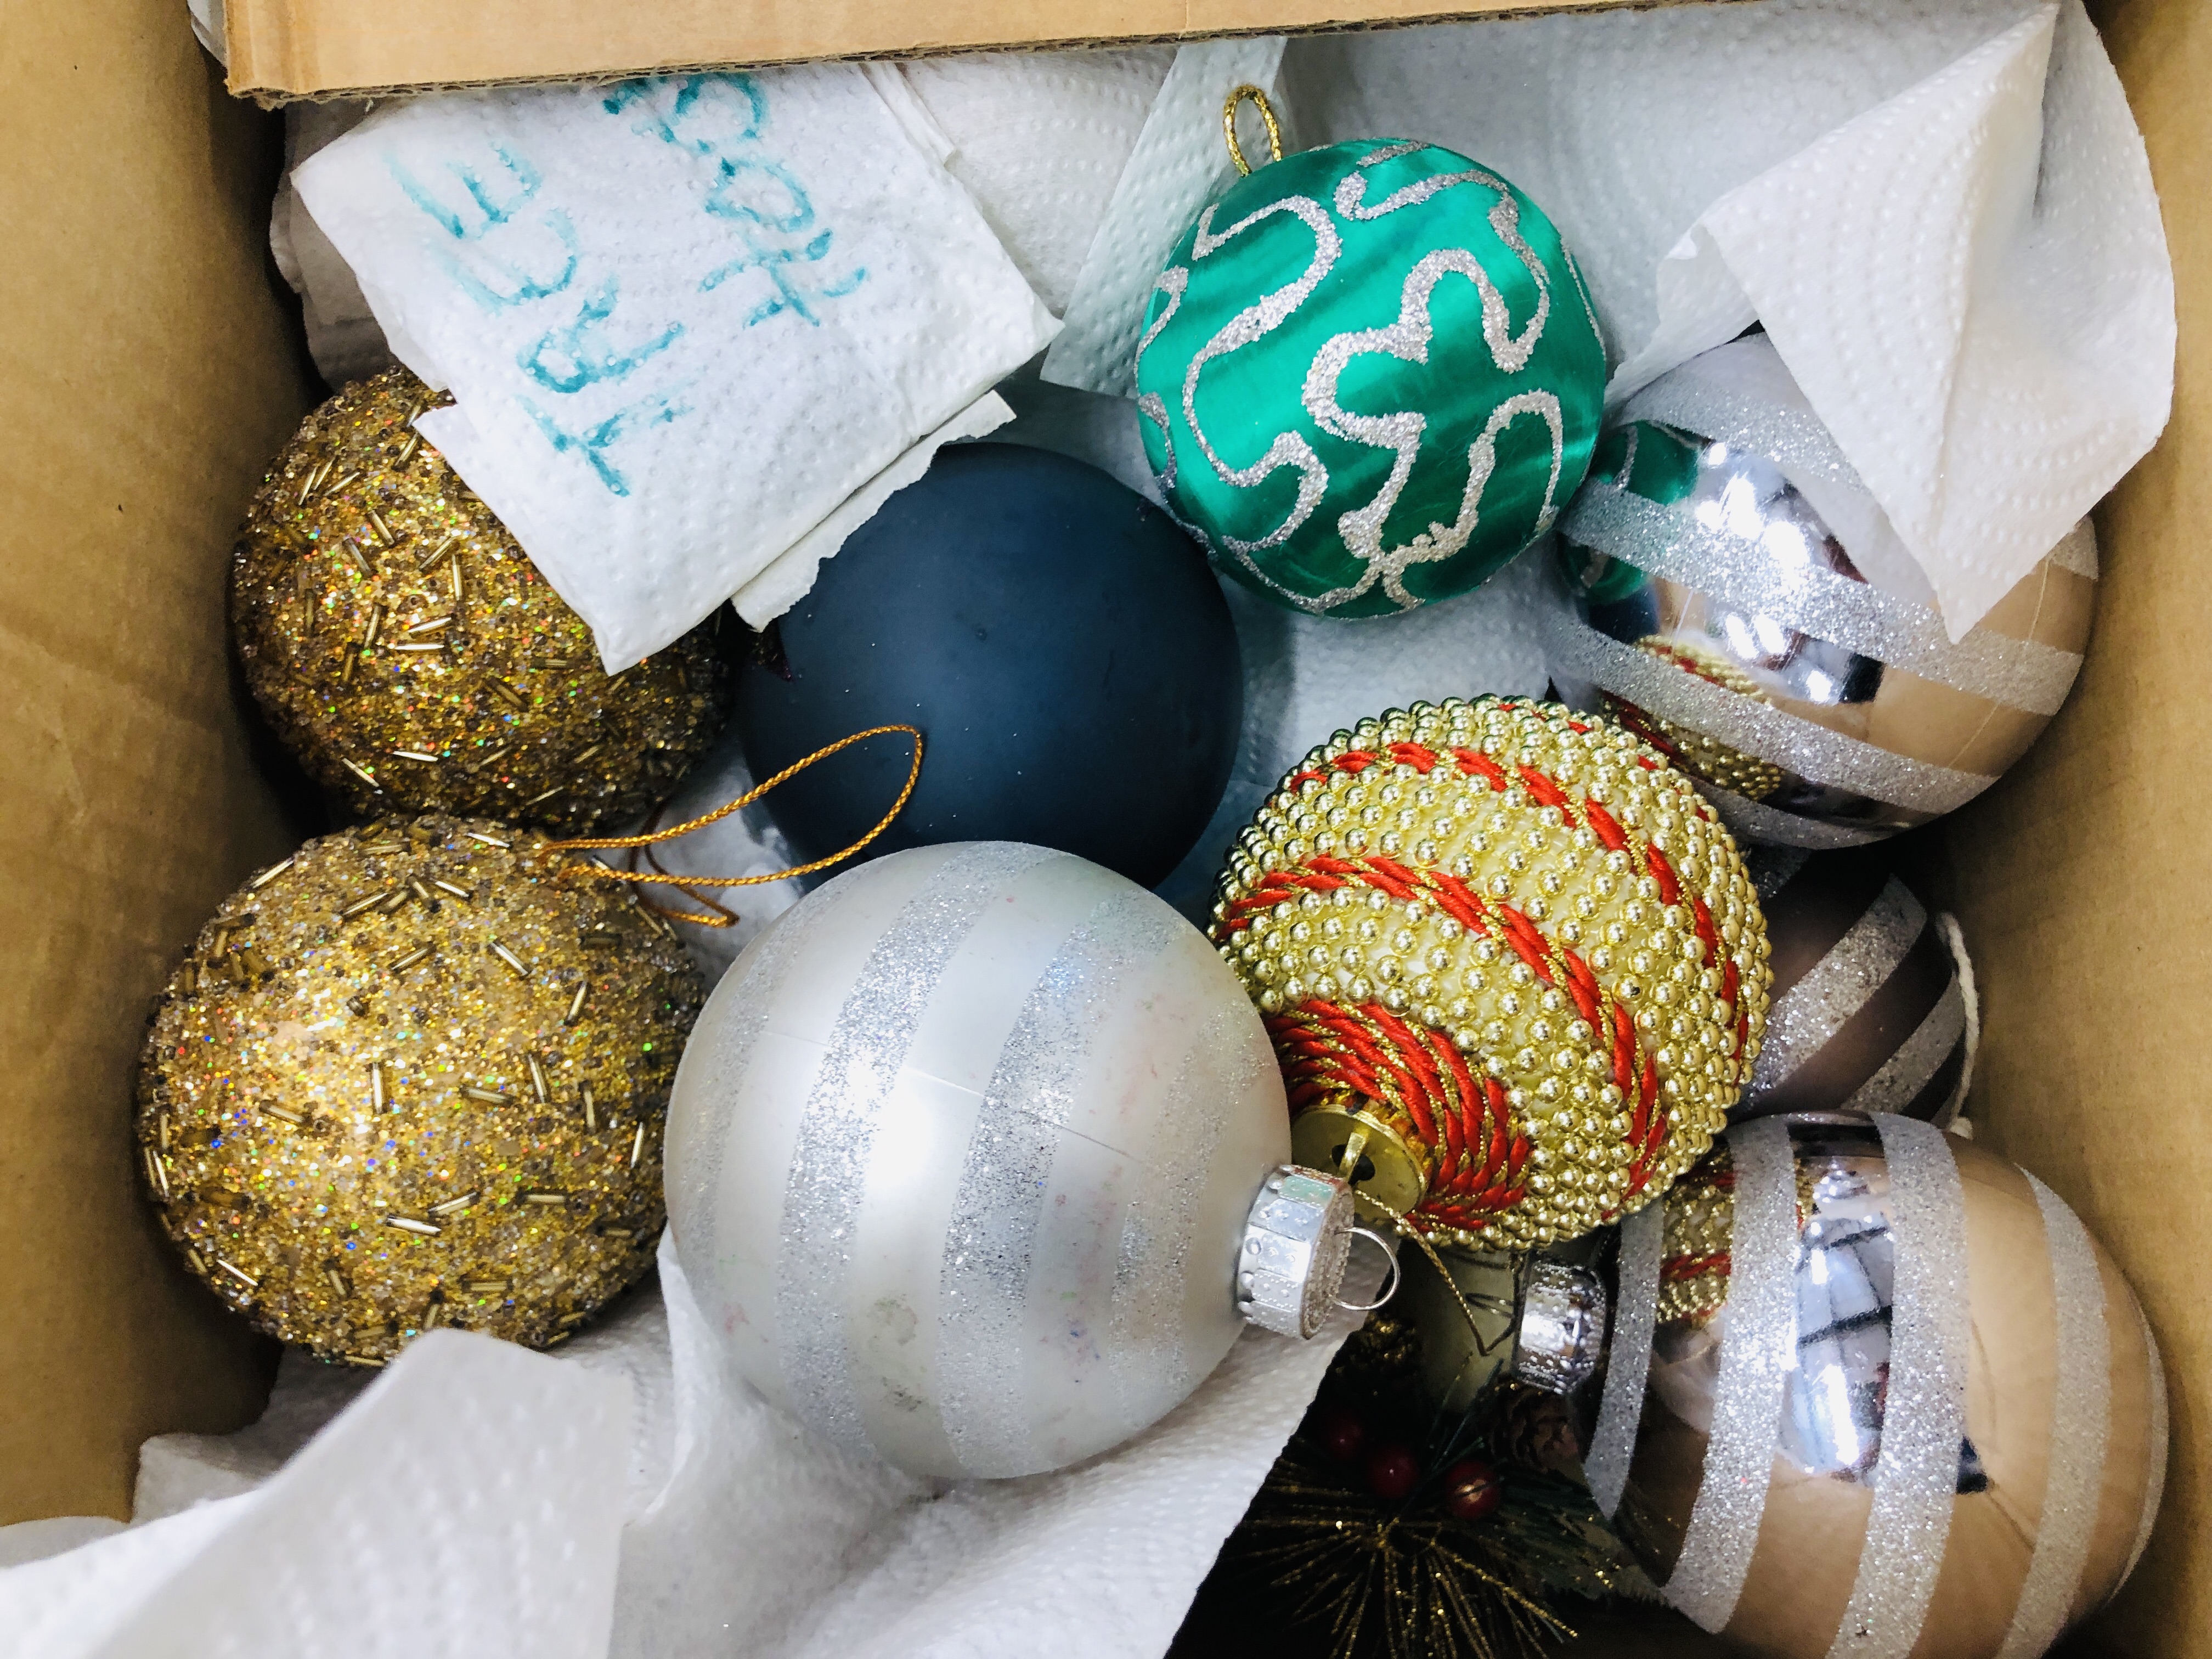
[
  {"x": 1941, "y": 210},
  {"x": 1040, "y": 139},
  {"x": 684, "y": 318},
  {"x": 1180, "y": 160},
  {"x": 1306, "y": 677},
  {"x": 468, "y": 1502}
]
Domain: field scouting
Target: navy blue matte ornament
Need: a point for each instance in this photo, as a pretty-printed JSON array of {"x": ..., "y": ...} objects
[{"x": 1061, "y": 645}]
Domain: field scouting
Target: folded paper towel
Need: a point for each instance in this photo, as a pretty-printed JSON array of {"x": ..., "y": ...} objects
[
  {"x": 685, "y": 319},
  {"x": 1040, "y": 139},
  {"x": 474, "y": 1499},
  {"x": 1941, "y": 210},
  {"x": 342, "y": 335}
]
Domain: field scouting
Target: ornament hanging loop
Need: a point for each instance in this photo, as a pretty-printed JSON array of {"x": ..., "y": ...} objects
[
  {"x": 686, "y": 883},
  {"x": 1390, "y": 1284},
  {"x": 1258, "y": 99}
]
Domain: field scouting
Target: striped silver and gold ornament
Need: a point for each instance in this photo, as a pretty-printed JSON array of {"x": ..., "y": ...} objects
[
  {"x": 978, "y": 1158},
  {"x": 1735, "y": 594},
  {"x": 1873, "y": 993},
  {"x": 1873, "y": 1391}
]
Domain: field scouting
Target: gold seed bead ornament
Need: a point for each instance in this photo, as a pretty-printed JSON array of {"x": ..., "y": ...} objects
[
  {"x": 412, "y": 1076},
  {"x": 408, "y": 651},
  {"x": 1515, "y": 971}
]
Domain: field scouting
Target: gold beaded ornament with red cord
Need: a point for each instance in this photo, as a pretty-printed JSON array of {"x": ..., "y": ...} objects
[{"x": 1514, "y": 970}]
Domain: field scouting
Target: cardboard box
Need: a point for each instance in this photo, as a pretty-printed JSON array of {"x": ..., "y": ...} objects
[
  {"x": 281, "y": 50},
  {"x": 153, "y": 365}
]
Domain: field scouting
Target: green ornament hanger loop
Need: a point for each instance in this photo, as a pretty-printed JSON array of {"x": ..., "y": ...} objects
[{"x": 1259, "y": 101}]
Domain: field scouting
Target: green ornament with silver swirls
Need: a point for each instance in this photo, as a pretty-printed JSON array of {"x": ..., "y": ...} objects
[{"x": 1369, "y": 376}]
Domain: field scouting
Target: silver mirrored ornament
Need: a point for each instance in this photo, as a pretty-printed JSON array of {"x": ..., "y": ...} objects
[
  {"x": 1875, "y": 1391},
  {"x": 1735, "y": 595},
  {"x": 963, "y": 1156}
]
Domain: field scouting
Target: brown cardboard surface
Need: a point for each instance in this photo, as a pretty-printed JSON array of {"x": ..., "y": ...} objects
[
  {"x": 2083, "y": 887},
  {"x": 145, "y": 377},
  {"x": 286, "y": 49}
]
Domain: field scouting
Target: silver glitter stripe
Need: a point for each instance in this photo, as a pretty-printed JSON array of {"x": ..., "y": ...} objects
[
  {"x": 1628, "y": 1361},
  {"x": 1794, "y": 439},
  {"x": 984, "y": 1277},
  {"x": 2155, "y": 1489},
  {"x": 1916, "y": 1472},
  {"x": 1148, "y": 1361},
  {"x": 1758, "y": 1347},
  {"x": 1757, "y": 729},
  {"x": 1802, "y": 1019},
  {"x": 1670, "y": 542},
  {"x": 828, "y": 1182},
  {"x": 1750, "y": 820},
  {"x": 2077, "y": 550},
  {"x": 760, "y": 974},
  {"x": 1905, "y": 1073},
  {"x": 2081, "y": 1407}
]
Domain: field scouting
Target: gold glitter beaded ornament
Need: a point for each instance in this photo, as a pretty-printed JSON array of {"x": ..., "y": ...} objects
[
  {"x": 412, "y": 1076},
  {"x": 413, "y": 657},
  {"x": 1513, "y": 966}
]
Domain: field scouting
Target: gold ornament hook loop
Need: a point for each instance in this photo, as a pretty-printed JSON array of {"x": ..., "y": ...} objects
[
  {"x": 685, "y": 883},
  {"x": 1258, "y": 99}
]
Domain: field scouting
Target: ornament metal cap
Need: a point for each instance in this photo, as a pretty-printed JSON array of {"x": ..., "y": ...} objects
[
  {"x": 1562, "y": 1329},
  {"x": 1297, "y": 1238}
]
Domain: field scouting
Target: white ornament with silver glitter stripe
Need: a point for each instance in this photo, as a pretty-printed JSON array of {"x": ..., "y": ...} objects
[
  {"x": 961, "y": 1156},
  {"x": 1736, "y": 595},
  {"x": 1877, "y": 1356}
]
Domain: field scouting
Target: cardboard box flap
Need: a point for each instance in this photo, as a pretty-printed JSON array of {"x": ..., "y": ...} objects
[{"x": 283, "y": 50}]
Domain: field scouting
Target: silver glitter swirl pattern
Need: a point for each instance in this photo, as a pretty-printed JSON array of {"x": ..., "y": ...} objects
[
  {"x": 1628, "y": 1362},
  {"x": 1669, "y": 542},
  {"x": 1916, "y": 1471},
  {"x": 827, "y": 1184},
  {"x": 2154, "y": 1488},
  {"x": 985, "y": 1271},
  {"x": 1263, "y": 316},
  {"x": 1758, "y": 1349},
  {"x": 2081, "y": 1420},
  {"x": 1905, "y": 1073},
  {"x": 1757, "y": 729},
  {"x": 1802, "y": 1019}
]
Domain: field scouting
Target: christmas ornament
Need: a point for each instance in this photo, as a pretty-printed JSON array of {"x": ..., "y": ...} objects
[
  {"x": 1884, "y": 1395},
  {"x": 1040, "y": 622},
  {"x": 1467, "y": 1557},
  {"x": 1871, "y": 1005},
  {"x": 1472, "y": 1489},
  {"x": 414, "y": 660},
  {"x": 408, "y": 1077},
  {"x": 1512, "y": 964},
  {"x": 1369, "y": 376},
  {"x": 977, "y": 1160},
  {"x": 1736, "y": 596}
]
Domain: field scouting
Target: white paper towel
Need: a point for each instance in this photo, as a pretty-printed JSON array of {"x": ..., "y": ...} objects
[
  {"x": 684, "y": 318},
  {"x": 1180, "y": 160},
  {"x": 1960, "y": 257},
  {"x": 1040, "y": 139},
  {"x": 469, "y": 1501},
  {"x": 741, "y": 1533}
]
